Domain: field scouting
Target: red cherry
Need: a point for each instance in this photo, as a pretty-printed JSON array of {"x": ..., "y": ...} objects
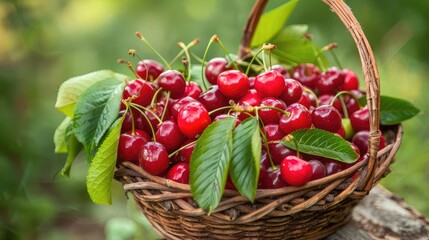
[
  {"x": 127, "y": 124},
  {"x": 332, "y": 167},
  {"x": 153, "y": 113},
  {"x": 279, "y": 68},
  {"x": 307, "y": 74},
  {"x": 295, "y": 171},
  {"x": 273, "y": 179},
  {"x": 233, "y": 83},
  {"x": 318, "y": 169},
  {"x": 142, "y": 90},
  {"x": 360, "y": 120},
  {"x": 213, "y": 99},
  {"x": 270, "y": 83},
  {"x": 185, "y": 154},
  {"x": 149, "y": 69},
  {"x": 179, "y": 173},
  {"x": 251, "y": 99},
  {"x": 293, "y": 91},
  {"x": 351, "y": 81},
  {"x": 272, "y": 132},
  {"x": 175, "y": 108},
  {"x": 153, "y": 158},
  {"x": 215, "y": 67},
  {"x": 279, "y": 151},
  {"x": 361, "y": 140},
  {"x": 169, "y": 135},
  {"x": 130, "y": 144},
  {"x": 192, "y": 119},
  {"x": 305, "y": 100},
  {"x": 193, "y": 90},
  {"x": 173, "y": 81},
  {"x": 223, "y": 116},
  {"x": 330, "y": 80},
  {"x": 326, "y": 117},
  {"x": 271, "y": 115},
  {"x": 299, "y": 118}
]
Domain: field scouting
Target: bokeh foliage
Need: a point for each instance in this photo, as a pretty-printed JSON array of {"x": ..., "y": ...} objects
[{"x": 43, "y": 43}]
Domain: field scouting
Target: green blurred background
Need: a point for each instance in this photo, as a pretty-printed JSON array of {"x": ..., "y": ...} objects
[{"x": 45, "y": 42}]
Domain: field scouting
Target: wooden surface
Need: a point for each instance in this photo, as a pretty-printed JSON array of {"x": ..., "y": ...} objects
[{"x": 382, "y": 215}]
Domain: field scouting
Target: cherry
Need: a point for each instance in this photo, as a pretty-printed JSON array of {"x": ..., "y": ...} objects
[
  {"x": 192, "y": 119},
  {"x": 173, "y": 81},
  {"x": 251, "y": 99},
  {"x": 152, "y": 113},
  {"x": 326, "y": 99},
  {"x": 169, "y": 135},
  {"x": 351, "y": 81},
  {"x": 142, "y": 90},
  {"x": 318, "y": 169},
  {"x": 361, "y": 140},
  {"x": 233, "y": 84},
  {"x": 252, "y": 82},
  {"x": 279, "y": 68},
  {"x": 295, "y": 171},
  {"x": 185, "y": 154},
  {"x": 179, "y": 173},
  {"x": 229, "y": 184},
  {"x": 326, "y": 117},
  {"x": 271, "y": 115},
  {"x": 175, "y": 108},
  {"x": 293, "y": 91},
  {"x": 307, "y": 74},
  {"x": 332, "y": 167},
  {"x": 360, "y": 120},
  {"x": 223, "y": 116},
  {"x": 263, "y": 168},
  {"x": 273, "y": 179},
  {"x": 305, "y": 100},
  {"x": 215, "y": 67},
  {"x": 130, "y": 144},
  {"x": 153, "y": 158},
  {"x": 272, "y": 132},
  {"x": 127, "y": 124},
  {"x": 149, "y": 69},
  {"x": 270, "y": 83},
  {"x": 330, "y": 80},
  {"x": 279, "y": 151},
  {"x": 360, "y": 158},
  {"x": 213, "y": 99},
  {"x": 341, "y": 132},
  {"x": 193, "y": 90},
  {"x": 299, "y": 118}
]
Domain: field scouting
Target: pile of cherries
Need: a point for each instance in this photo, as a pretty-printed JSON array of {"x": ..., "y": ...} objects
[{"x": 165, "y": 115}]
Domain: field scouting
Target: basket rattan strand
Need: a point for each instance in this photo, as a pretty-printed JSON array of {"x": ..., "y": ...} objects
[{"x": 312, "y": 211}]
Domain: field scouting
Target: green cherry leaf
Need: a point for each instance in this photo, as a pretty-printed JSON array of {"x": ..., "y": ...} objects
[
  {"x": 96, "y": 109},
  {"x": 394, "y": 111},
  {"x": 210, "y": 162},
  {"x": 321, "y": 143},
  {"x": 60, "y": 136},
  {"x": 271, "y": 23},
  {"x": 246, "y": 157},
  {"x": 70, "y": 90},
  {"x": 196, "y": 74},
  {"x": 100, "y": 172},
  {"x": 74, "y": 147}
]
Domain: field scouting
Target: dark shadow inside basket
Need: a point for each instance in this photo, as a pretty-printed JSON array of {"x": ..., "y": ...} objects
[{"x": 310, "y": 211}]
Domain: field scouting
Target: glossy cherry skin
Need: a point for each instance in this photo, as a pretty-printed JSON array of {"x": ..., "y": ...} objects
[
  {"x": 318, "y": 169},
  {"x": 272, "y": 132},
  {"x": 273, "y": 179},
  {"x": 153, "y": 158},
  {"x": 251, "y": 99},
  {"x": 326, "y": 99},
  {"x": 192, "y": 119},
  {"x": 142, "y": 91},
  {"x": 263, "y": 168},
  {"x": 330, "y": 81},
  {"x": 173, "y": 81},
  {"x": 360, "y": 120},
  {"x": 293, "y": 91},
  {"x": 271, "y": 115},
  {"x": 193, "y": 90},
  {"x": 270, "y": 83},
  {"x": 149, "y": 69},
  {"x": 215, "y": 67},
  {"x": 332, "y": 167},
  {"x": 282, "y": 70},
  {"x": 279, "y": 151},
  {"x": 185, "y": 154},
  {"x": 127, "y": 124},
  {"x": 299, "y": 118},
  {"x": 361, "y": 140},
  {"x": 213, "y": 99},
  {"x": 326, "y": 117},
  {"x": 179, "y": 173},
  {"x": 153, "y": 113},
  {"x": 223, "y": 116},
  {"x": 130, "y": 144},
  {"x": 175, "y": 108},
  {"x": 305, "y": 100},
  {"x": 233, "y": 84},
  {"x": 169, "y": 135},
  {"x": 295, "y": 171},
  {"x": 307, "y": 74},
  {"x": 351, "y": 82}
]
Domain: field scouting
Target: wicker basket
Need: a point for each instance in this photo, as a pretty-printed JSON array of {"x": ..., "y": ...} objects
[{"x": 312, "y": 211}]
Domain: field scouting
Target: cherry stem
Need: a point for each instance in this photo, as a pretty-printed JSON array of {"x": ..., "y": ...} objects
[
  {"x": 216, "y": 39},
  {"x": 308, "y": 90},
  {"x": 135, "y": 106},
  {"x": 204, "y": 61},
  {"x": 337, "y": 61},
  {"x": 134, "y": 54},
  {"x": 287, "y": 114},
  {"x": 188, "y": 62},
  {"x": 200, "y": 60},
  {"x": 253, "y": 59},
  {"x": 339, "y": 95},
  {"x": 181, "y": 148},
  {"x": 147, "y": 109},
  {"x": 191, "y": 44},
  {"x": 155, "y": 96},
  {"x": 130, "y": 66},
  {"x": 264, "y": 139},
  {"x": 220, "y": 109},
  {"x": 140, "y": 36},
  {"x": 318, "y": 58},
  {"x": 165, "y": 107}
]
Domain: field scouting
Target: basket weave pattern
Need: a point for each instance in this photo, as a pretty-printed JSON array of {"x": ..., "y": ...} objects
[{"x": 311, "y": 211}]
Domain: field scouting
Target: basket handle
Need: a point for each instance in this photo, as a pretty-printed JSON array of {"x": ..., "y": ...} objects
[{"x": 369, "y": 67}]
